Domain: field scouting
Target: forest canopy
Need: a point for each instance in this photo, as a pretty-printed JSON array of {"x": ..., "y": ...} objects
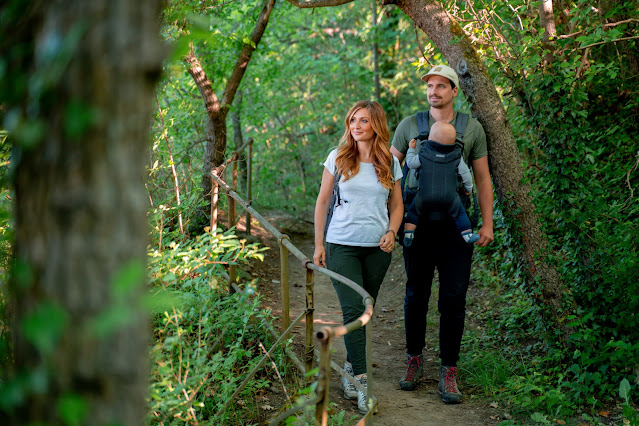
[{"x": 566, "y": 80}]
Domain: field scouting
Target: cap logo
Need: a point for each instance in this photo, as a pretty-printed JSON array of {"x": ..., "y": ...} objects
[{"x": 437, "y": 69}]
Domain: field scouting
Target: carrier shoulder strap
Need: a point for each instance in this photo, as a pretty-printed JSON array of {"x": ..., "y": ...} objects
[
  {"x": 423, "y": 122},
  {"x": 460, "y": 127},
  {"x": 337, "y": 175}
]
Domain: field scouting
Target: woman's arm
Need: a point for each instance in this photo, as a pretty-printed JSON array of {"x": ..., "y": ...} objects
[
  {"x": 321, "y": 209},
  {"x": 396, "y": 209}
]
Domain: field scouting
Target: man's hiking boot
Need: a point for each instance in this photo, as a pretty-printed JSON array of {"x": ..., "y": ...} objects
[
  {"x": 350, "y": 391},
  {"x": 448, "y": 385},
  {"x": 414, "y": 372}
]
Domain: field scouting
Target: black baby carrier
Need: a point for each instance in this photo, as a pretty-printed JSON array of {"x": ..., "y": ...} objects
[{"x": 408, "y": 194}]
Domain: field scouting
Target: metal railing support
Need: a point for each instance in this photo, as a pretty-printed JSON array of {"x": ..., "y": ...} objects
[
  {"x": 231, "y": 220},
  {"x": 323, "y": 382},
  {"x": 370, "y": 402},
  {"x": 284, "y": 283},
  {"x": 324, "y": 336},
  {"x": 215, "y": 195},
  {"x": 310, "y": 315},
  {"x": 249, "y": 175},
  {"x": 259, "y": 365},
  {"x": 231, "y": 200}
]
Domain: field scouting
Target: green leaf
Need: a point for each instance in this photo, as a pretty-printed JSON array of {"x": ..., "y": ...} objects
[
  {"x": 109, "y": 321},
  {"x": 30, "y": 133},
  {"x": 78, "y": 118},
  {"x": 624, "y": 390},
  {"x": 44, "y": 326},
  {"x": 129, "y": 277},
  {"x": 73, "y": 409}
]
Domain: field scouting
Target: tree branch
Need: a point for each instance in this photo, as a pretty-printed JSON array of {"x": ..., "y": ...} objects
[
  {"x": 306, "y": 4},
  {"x": 606, "y": 41},
  {"x": 211, "y": 102},
  {"x": 245, "y": 54}
]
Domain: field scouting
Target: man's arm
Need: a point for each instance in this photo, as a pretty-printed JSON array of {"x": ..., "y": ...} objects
[
  {"x": 485, "y": 195},
  {"x": 397, "y": 154}
]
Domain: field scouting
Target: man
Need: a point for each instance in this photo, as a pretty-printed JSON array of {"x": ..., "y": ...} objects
[{"x": 437, "y": 244}]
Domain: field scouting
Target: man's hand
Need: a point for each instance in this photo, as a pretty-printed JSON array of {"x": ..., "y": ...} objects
[{"x": 486, "y": 236}]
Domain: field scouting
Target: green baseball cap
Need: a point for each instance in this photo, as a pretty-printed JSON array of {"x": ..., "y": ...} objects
[{"x": 444, "y": 71}]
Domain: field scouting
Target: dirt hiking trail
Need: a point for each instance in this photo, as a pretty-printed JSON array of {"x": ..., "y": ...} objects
[{"x": 395, "y": 407}]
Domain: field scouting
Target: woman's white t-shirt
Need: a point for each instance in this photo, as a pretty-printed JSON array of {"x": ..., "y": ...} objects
[{"x": 362, "y": 218}]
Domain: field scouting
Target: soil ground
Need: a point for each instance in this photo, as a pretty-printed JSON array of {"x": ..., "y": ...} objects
[{"x": 395, "y": 407}]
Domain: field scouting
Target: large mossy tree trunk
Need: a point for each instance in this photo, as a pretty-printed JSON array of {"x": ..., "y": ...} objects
[
  {"x": 81, "y": 81},
  {"x": 505, "y": 163}
]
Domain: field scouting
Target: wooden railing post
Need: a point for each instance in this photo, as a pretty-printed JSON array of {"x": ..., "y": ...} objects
[{"x": 249, "y": 173}]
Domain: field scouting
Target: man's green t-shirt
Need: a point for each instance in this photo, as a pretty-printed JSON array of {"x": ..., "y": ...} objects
[{"x": 474, "y": 137}]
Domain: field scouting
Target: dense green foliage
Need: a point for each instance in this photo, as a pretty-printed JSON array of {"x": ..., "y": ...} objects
[
  {"x": 575, "y": 124},
  {"x": 572, "y": 102},
  {"x": 207, "y": 342}
]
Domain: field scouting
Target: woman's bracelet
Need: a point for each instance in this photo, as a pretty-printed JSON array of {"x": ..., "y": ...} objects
[{"x": 394, "y": 233}]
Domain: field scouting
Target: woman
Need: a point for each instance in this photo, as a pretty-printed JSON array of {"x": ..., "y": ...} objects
[{"x": 361, "y": 233}]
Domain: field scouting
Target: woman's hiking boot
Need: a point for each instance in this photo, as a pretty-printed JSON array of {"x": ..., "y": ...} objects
[
  {"x": 362, "y": 401},
  {"x": 448, "y": 385},
  {"x": 414, "y": 372},
  {"x": 350, "y": 391}
]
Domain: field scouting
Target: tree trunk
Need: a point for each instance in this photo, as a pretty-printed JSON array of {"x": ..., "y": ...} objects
[
  {"x": 547, "y": 21},
  {"x": 504, "y": 159},
  {"x": 378, "y": 89},
  {"x": 216, "y": 109},
  {"x": 216, "y": 125},
  {"x": 238, "y": 140},
  {"x": 80, "y": 205}
]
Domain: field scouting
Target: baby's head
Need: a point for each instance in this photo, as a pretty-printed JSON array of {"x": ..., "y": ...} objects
[{"x": 443, "y": 132}]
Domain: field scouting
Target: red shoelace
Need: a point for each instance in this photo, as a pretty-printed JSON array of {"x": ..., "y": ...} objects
[
  {"x": 413, "y": 364},
  {"x": 449, "y": 380}
]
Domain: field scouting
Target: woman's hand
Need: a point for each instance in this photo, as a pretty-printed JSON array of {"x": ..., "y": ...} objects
[
  {"x": 387, "y": 242},
  {"x": 319, "y": 257}
]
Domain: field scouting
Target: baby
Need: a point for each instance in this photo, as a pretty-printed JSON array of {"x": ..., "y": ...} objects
[{"x": 428, "y": 159}]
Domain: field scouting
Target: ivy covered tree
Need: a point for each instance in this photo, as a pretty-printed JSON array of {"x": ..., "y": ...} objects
[{"x": 76, "y": 83}]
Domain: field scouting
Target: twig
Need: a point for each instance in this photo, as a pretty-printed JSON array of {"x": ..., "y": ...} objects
[
  {"x": 318, "y": 3},
  {"x": 628, "y": 175},
  {"x": 176, "y": 184},
  {"x": 607, "y": 41},
  {"x": 276, "y": 372},
  {"x": 612, "y": 24}
]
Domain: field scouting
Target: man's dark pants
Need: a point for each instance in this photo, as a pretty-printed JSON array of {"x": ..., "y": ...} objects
[{"x": 437, "y": 244}]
